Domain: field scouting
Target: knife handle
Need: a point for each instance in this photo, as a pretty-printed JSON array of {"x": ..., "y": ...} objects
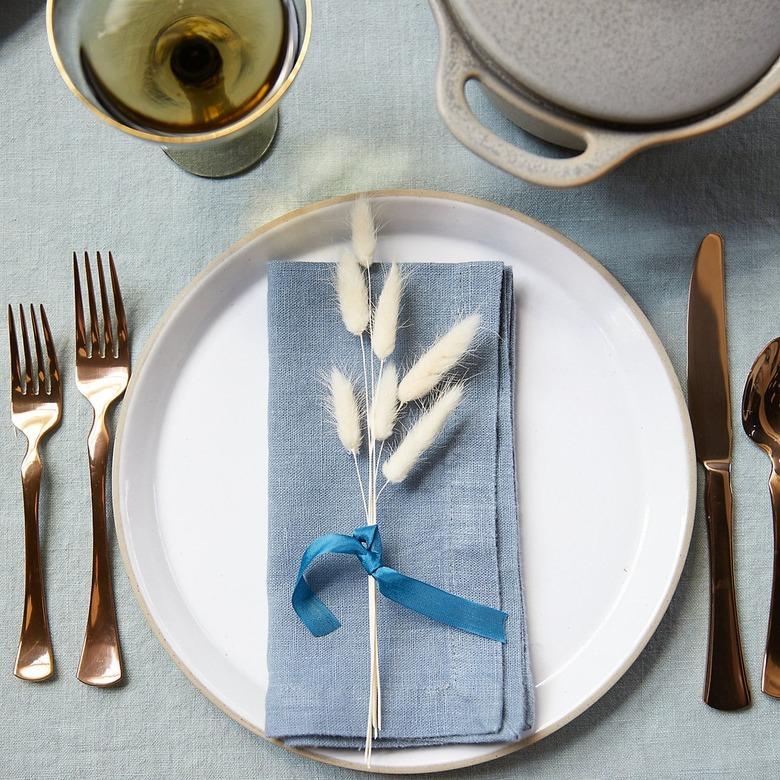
[
  {"x": 770, "y": 683},
  {"x": 725, "y": 685}
]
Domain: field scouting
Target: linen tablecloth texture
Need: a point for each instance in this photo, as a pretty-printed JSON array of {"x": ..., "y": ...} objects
[
  {"x": 451, "y": 523},
  {"x": 360, "y": 116}
]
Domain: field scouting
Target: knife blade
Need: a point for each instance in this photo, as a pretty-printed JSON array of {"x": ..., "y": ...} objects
[
  {"x": 709, "y": 404},
  {"x": 709, "y": 401}
]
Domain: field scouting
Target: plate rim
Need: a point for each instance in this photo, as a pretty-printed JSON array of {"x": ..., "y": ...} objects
[{"x": 641, "y": 319}]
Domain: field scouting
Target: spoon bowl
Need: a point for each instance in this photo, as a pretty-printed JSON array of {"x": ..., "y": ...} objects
[
  {"x": 761, "y": 400},
  {"x": 761, "y": 421}
]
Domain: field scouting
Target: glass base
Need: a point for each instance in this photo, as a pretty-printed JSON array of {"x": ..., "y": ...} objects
[{"x": 230, "y": 157}]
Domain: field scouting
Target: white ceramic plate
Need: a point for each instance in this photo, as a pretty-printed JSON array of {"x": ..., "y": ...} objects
[{"x": 606, "y": 470}]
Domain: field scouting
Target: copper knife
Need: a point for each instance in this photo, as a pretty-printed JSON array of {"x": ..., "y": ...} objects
[{"x": 709, "y": 403}]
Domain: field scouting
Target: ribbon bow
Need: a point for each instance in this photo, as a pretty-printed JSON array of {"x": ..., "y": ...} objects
[{"x": 366, "y": 545}]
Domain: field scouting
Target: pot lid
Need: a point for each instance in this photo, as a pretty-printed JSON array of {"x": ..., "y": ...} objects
[{"x": 628, "y": 61}]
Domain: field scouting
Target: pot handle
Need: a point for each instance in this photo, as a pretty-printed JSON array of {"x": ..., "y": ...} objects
[{"x": 603, "y": 149}]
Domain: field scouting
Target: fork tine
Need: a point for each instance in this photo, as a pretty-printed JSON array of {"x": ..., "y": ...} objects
[
  {"x": 38, "y": 351},
  {"x": 107, "y": 335},
  {"x": 81, "y": 331},
  {"x": 54, "y": 370},
  {"x": 121, "y": 319},
  {"x": 26, "y": 347},
  {"x": 16, "y": 371},
  {"x": 94, "y": 334}
]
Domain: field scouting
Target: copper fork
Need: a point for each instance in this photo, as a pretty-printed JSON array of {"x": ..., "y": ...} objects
[
  {"x": 102, "y": 374},
  {"x": 36, "y": 410}
]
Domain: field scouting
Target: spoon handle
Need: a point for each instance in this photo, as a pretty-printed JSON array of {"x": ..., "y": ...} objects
[
  {"x": 725, "y": 686},
  {"x": 770, "y": 683}
]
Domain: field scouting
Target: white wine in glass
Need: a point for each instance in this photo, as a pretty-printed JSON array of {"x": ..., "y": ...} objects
[{"x": 188, "y": 70}]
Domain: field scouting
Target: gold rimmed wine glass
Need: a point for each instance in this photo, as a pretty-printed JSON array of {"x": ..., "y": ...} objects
[{"x": 201, "y": 78}]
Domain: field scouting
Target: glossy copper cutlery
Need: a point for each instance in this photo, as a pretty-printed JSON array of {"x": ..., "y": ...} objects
[
  {"x": 761, "y": 420},
  {"x": 102, "y": 374},
  {"x": 709, "y": 403},
  {"x": 36, "y": 410}
]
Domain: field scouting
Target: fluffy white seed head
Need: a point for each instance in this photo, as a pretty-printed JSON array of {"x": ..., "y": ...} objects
[
  {"x": 421, "y": 435},
  {"x": 345, "y": 411},
  {"x": 386, "y": 314},
  {"x": 363, "y": 232},
  {"x": 352, "y": 294},
  {"x": 442, "y": 356},
  {"x": 385, "y": 405}
]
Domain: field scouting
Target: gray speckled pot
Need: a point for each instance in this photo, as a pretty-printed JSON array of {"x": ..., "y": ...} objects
[{"x": 583, "y": 100}]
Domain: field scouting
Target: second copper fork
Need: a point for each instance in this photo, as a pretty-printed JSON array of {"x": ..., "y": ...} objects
[
  {"x": 102, "y": 374},
  {"x": 36, "y": 410}
]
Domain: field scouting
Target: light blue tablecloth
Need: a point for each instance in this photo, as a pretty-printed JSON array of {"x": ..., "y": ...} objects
[{"x": 361, "y": 116}]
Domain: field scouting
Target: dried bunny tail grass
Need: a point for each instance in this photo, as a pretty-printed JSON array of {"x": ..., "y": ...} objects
[
  {"x": 363, "y": 232},
  {"x": 345, "y": 411},
  {"x": 385, "y": 405},
  {"x": 443, "y": 355},
  {"x": 385, "y": 324},
  {"x": 352, "y": 294},
  {"x": 421, "y": 435}
]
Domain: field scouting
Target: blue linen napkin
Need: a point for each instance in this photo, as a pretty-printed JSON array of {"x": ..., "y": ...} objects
[{"x": 451, "y": 523}]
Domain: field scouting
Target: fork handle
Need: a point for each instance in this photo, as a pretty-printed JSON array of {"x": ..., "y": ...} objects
[
  {"x": 34, "y": 659},
  {"x": 770, "y": 683},
  {"x": 725, "y": 686},
  {"x": 101, "y": 657}
]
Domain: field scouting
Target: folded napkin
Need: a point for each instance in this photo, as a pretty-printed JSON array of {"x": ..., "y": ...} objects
[{"x": 451, "y": 523}]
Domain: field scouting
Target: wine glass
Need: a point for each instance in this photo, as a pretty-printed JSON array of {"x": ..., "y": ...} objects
[{"x": 202, "y": 78}]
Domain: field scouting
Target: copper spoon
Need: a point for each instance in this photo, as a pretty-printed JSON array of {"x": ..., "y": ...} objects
[{"x": 761, "y": 420}]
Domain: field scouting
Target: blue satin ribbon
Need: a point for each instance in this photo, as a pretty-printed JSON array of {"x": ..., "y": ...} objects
[{"x": 366, "y": 545}]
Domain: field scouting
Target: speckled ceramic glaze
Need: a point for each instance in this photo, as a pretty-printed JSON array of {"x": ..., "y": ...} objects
[
  {"x": 607, "y": 77},
  {"x": 628, "y": 61}
]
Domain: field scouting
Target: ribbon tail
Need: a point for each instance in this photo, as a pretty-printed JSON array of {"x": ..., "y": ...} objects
[
  {"x": 441, "y": 606},
  {"x": 314, "y": 614}
]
